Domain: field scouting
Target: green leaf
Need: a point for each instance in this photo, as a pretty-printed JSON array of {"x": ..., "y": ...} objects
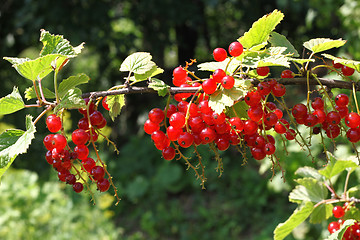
[
  {"x": 322, "y": 44},
  {"x": 239, "y": 109},
  {"x": 115, "y": 103},
  {"x": 149, "y": 74},
  {"x": 159, "y": 86},
  {"x": 11, "y": 103},
  {"x": 212, "y": 66},
  {"x": 30, "y": 93},
  {"x": 16, "y": 60},
  {"x": 349, "y": 63},
  {"x": 309, "y": 189},
  {"x": 221, "y": 99},
  {"x": 299, "y": 215},
  {"x": 273, "y": 56},
  {"x": 139, "y": 63},
  {"x": 14, "y": 142},
  {"x": 352, "y": 213},
  {"x": 39, "y": 67},
  {"x": 71, "y": 100},
  {"x": 278, "y": 40},
  {"x": 309, "y": 172},
  {"x": 72, "y": 82},
  {"x": 340, "y": 233},
  {"x": 261, "y": 29},
  {"x": 56, "y": 44},
  {"x": 321, "y": 213},
  {"x": 336, "y": 166}
]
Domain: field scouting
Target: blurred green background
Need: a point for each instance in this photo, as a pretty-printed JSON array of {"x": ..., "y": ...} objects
[{"x": 160, "y": 200}]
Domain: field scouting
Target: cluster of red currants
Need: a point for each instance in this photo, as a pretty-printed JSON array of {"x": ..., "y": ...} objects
[
  {"x": 352, "y": 232},
  {"x": 62, "y": 158},
  {"x": 345, "y": 70}
]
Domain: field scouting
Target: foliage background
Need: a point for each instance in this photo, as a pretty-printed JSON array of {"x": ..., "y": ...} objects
[{"x": 161, "y": 200}]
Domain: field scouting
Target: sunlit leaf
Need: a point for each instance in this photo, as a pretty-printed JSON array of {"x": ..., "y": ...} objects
[
  {"x": 159, "y": 86},
  {"x": 30, "y": 93},
  {"x": 72, "y": 82},
  {"x": 336, "y": 166},
  {"x": 349, "y": 63},
  {"x": 278, "y": 40},
  {"x": 309, "y": 189},
  {"x": 115, "y": 103},
  {"x": 11, "y": 103},
  {"x": 149, "y": 74},
  {"x": 322, "y": 44},
  {"x": 139, "y": 63},
  {"x": 321, "y": 213},
  {"x": 71, "y": 100}
]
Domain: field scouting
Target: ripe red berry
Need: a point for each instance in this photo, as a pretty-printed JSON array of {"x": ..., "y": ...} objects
[
  {"x": 269, "y": 148},
  {"x": 255, "y": 113},
  {"x": 218, "y": 118},
  {"x": 317, "y": 103},
  {"x": 158, "y": 136},
  {"x": 253, "y": 98},
  {"x": 150, "y": 127},
  {"x": 258, "y": 153},
  {"x": 228, "y": 82},
  {"x": 218, "y": 75},
  {"x": 62, "y": 175},
  {"x": 78, "y": 187},
  {"x": 88, "y": 164},
  {"x": 96, "y": 118},
  {"x": 156, "y": 115},
  {"x": 310, "y": 120},
  {"x": 104, "y": 104},
  {"x": 209, "y": 86},
  {"x": 97, "y": 172},
  {"x": 207, "y": 135},
  {"x": 352, "y": 120},
  {"x": 282, "y": 126},
  {"x": 336, "y": 65},
  {"x": 179, "y": 73},
  {"x": 287, "y": 74},
  {"x": 250, "y": 127},
  {"x": 70, "y": 179},
  {"x": 103, "y": 185},
  {"x": 343, "y": 111},
  {"x": 83, "y": 123},
  {"x": 82, "y": 151},
  {"x": 263, "y": 71},
  {"x": 91, "y": 107},
  {"x": 342, "y": 100},
  {"x": 177, "y": 120},
  {"x": 48, "y": 142},
  {"x": 219, "y": 54},
  {"x": 168, "y": 153},
  {"x": 222, "y": 144},
  {"x": 353, "y": 135},
  {"x": 338, "y": 212},
  {"x": 332, "y": 131},
  {"x": 80, "y": 137},
  {"x": 279, "y": 90},
  {"x": 58, "y": 141},
  {"x": 299, "y": 110},
  {"x": 53, "y": 123},
  {"x": 290, "y": 135},
  {"x": 347, "y": 71},
  {"x": 270, "y": 119},
  {"x": 185, "y": 139},
  {"x": 320, "y": 114},
  {"x": 173, "y": 133},
  {"x": 236, "y": 123},
  {"x": 264, "y": 88},
  {"x": 204, "y": 107},
  {"x": 333, "y": 118},
  {"x": 236, "y": 49}
]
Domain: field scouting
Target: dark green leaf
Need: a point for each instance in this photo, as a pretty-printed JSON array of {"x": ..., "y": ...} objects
[
  {"x": 278, "y": 40},
  {"x": 159, "y": 86},
  {"x": 72, "y": 82},
  {"x": 11, "y": 103},
  {"x": 71, "y": 100}
]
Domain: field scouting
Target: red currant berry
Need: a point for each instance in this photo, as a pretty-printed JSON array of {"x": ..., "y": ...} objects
[
  {"x": 222, "y": 144},
  {"x": 228, "y": 82},
  {"x": 332, "y": 131},
  {"x": 290, "y": 135},
  {"x": 218, "y": 75},
  {"x": 353, "y": 135},
  {"x": 299, "y": 110},
  {"x": 88, "y": 164},
  {"x": 53, "y": 123},
  {"x": 185, "y": 139},
  {"x": 96, "y": 118},
  {"x": 80, "y": 137},
  {"x": 78, "y": 187},
  {"x": 218, "y": 118},
  {"x": 287, "y": 74},
  {"x": 270, "y": 119},
  {"x": 253, "y": 98},
  {"x": 250, "y": 127},
  {"x": 278, "y": 113},
  {"x": 97, "y": 172},
  {"x": 82, "y": 151},
  {"x": 352, "y": 120},
  {"x": 104, "y": 104},
  {"x": 255, "y": 113},
  {"x": 333, "y": 118},
  {"x": 343, "y": 111},
  {"x": 158, "y": 136},
  {"x": 338, "y": 212},
  {"x": 219, "y": 54},
  {"x": 103, "y": 185},
  {"x": 320, "y": 114},
  {"x": 310, "y": 120},
  {"x": 59, "y": 141},
  {"x": 91, "y": 107},
  {"x": 207, "y": 135},
  {"x": 156, "y": 115},
  {"x": 269, "y": 148},
  {"x": 209, "y": 86},
  {"x": 347, "y": 71},
  {"x": 279, "y": 90},
  {"x": 317, "y": 103},
  {"x": 282, "y": 126},
  {"x": 179, "y": 73},
  {"x": 196, "y": 124},
  {"x": 150, "y": 127},
  {"x": 336, "y": 65},
  {"x": 236, "y": 49},
  {"x": 70, "y": 179},
  {"x": 168, "y": 153},
  {"x": 258, "y": 153},
  {"x": 48, "y": 157},
  {"x": 177, "y": 120},
  {"x": 204, "y": 107},
  {"x": 62, "y": 175},
  {"x": 237, "y": 124},
  {"x": 342, "y": 100},
  {"x": 83, "y": 123},
  {"x": 48, "y": 142},
  {"x": 264, "y": 88},
  {"x": 263, "y": 71},
  {"x": 170, "y": 110},
  {"x": 173, "y": 133}
]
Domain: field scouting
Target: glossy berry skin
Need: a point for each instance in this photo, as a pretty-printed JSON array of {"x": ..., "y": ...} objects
[
  {"x": 59, "y": 141},
  {"x": 168, "y": 153},
  {"x": 207, "y": 135},
  {"x": 103, "y": 185},
  {"x": 279, "y": 90},
  {"x": 53, "y": 123},
  {"x": 263, "y": 71},
  {"x": 177, "y": 120},
  {"x": 82, "y": 151},
  {"x": 353, "y": 135},
  {"x": 218, "y": 75},
  {"x": 150, "y": 127},
  {"x": 343, "y": 111},
  {"x": 347, "y": 71},
  {"x": 299, "y": 111},
  {"x": 287, "y": 74},
  {"x": 185, "y": 139},
  {"x": 228, "y": 82},
  {"x": 97, "y": 172},
  {"x": 281, "y": 126},
  {"x": 264, "y": 88},
  {"x": 338, "y": 212},
  {"x": 255, "y": 113},
  {"x": 236, "y": 49},
  {"x": 222, "y": 144},
  {"x": 317, "y": 103},
  {"x": 96, "y": 118},
  {"x": 250, "y": 127},
  {"x": 204, "y": 107},
  {"x": 332, "y": 131},
  {"x": 88, "y": 164},
  {"x": 83, "y": 123},
  {"x": 258, "y": 153},
  {"x": 48, "y": 142},
  {"x": 156, "y": 115},
  {"x": 333, "y": 227},
  {"x": 336, "y": 65},
  {"x": 78, "y": 187},
  {"x": 158, "y": 136},
  {"x": 236, "y": 123},
  {"x": 70, "y": 179},
  {"x": 269, "y": 148},
  {"x": 209, "y": 86},
  {"x": 179, "y": 73},
  {"x": 310, "y": 120},
  {"x": 333, "y": 118},
  {"x": 104, "y": 104},
  {"x": 320, "y": 114},
  {"x": 253, "y": 98},
  {"x": 290, "y": 135},
  {"x": 352, "y": 120},
  {"x": 80, "y": 137},
  {"x": 219, "y": 54},
  {"x": 270, "y": 119},
  {"x": 342, "y": 100}
]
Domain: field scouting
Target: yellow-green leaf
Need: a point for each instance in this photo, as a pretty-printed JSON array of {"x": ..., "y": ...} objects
[{"x": 322, "y": 44}]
